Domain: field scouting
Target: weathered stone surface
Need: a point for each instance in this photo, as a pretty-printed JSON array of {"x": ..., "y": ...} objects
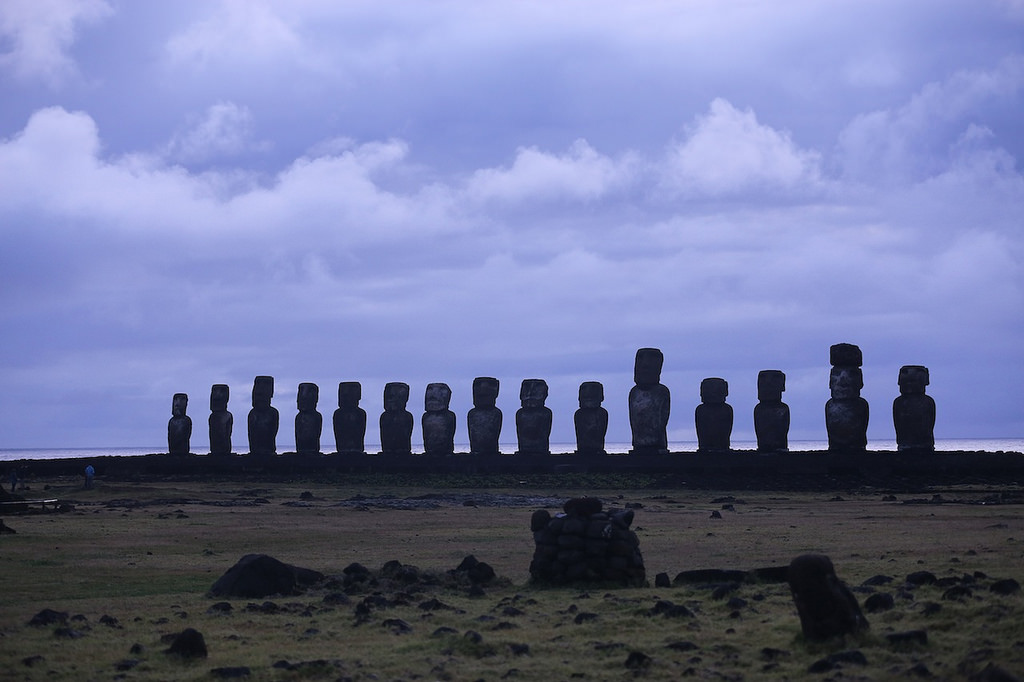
[
  {"x": 259, "y": 575},
  {"x": 913, "y": 412},
  {"x": 221, "y": 421},
  {"x": 713, "y": 417},
  {"x": 438, "y": 421},
  {"x": 649, "y": 404},
  {"x": 309, "y": 423},
  {"x": 179, "y": 427},
  {"x": 533, "y": 419},
  {"x": 264, "y": 419},
  {"x": 350, "y": 420},
  {"x": 846, "y": 413},
  {"x": 591, "y": 420},
  {"x": 771, "y": 415},
  {"x": 825, "y": 605},
  {"x": 484, "y": 419},
  {"x": 396, "y": 422}
]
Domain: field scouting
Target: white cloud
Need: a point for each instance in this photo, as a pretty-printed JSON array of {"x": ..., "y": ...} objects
[
  {"x": 225, "y": 130},
  {"x": 40, "y": 33}
]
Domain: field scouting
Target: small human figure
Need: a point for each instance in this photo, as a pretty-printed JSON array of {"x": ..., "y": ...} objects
[
  {"x": 350, "y": 420},
  {"x": 179, "y": 427},
  {"x": 14, "y": 479},
  {"x": 221, "y": 421},
  {"x": 846, "y": 413},
  {"x": 438, "y": 421},
  {"x": 396, "y": 422},
  {"x": 264, "y": 419},
  {"x": 591, "y": 420},
  {"x": 484, "y": 419},
  {"x": 713, "y": 416},
  {"x": 309, "y": 423},
  {"x": 771, "y": 415},
  {"x": 533, "y": 419},
  {"x": 649, "y": 404},
  {"x": 913, "y": 412},
  {"x": 90, "y": 472}
]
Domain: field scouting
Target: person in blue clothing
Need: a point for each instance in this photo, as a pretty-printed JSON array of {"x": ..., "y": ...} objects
[{"x": 89, "y": 473}]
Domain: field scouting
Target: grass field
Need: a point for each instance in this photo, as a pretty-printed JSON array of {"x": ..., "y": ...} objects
[{"x": 145, "y": 553}]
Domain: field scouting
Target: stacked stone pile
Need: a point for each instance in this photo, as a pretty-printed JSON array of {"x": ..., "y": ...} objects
[{"x": 586, "y": 544}]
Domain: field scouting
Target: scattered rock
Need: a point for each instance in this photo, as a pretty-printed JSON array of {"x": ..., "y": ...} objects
[
  {"x": 189, "y": 643},
  {"x": 879, "y": 602},
  {"x": 259, "y": 575},
  {"x": 231, "y": 672},
  {"x": 908, "y": 639},
  {"x": 957, "y": 593},
  {"x": 637, "y": 660},
  {"x": 49, "y": 617},
  {"x": 922, "y": 578},
  {"x": 662, "y": 580},
  {"x": 993, "y": 673},
  {"x": 30, "y": 661},
  {"x": 825, "y": 605},
  {"x": 670, "y": 610},
  {"x": 1004, "y": 587},
  {"x": 838, "y": 660}
]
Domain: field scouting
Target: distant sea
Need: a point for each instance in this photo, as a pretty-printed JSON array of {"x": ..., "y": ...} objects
[{"x": 951, "y": 444}]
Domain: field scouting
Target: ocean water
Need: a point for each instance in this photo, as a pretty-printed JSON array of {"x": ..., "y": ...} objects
[{"x": 950, "y": 444}]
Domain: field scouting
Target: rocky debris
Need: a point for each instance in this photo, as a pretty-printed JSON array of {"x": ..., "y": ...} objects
[
  {"x": 921, "y": 578},
  {"x": 583, "y": 545},
  {"x": 879, "y": 602},
  {"x": 231, "y": 672},
  {"x": 1005, "y": 587},
  {"x": 825, "y": 605},
  {"x": 909, "y": 638},
  {"x": 188, "y": 644},
  {"x": 838, "y": 660},
  {"x": 259, "y": 575},
  {"x": 637, "y": 660},
  {"x": 48, "y": 617}
]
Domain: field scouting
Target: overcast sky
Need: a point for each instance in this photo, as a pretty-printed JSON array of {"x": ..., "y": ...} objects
[{"x": 199, "y": 192}]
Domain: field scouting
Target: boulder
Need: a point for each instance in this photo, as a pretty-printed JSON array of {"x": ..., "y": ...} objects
[
  {"x": 826, "y": 606},
  {"x": 258, "y": 575}
]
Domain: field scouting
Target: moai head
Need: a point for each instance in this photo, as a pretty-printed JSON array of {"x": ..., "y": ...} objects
[
  {"x": 533, "y": 392},
  {"x": 307, "y": 397},
  {"x": 591, "y": 394},
  {"x": 396, "y": 395},
  {"x": 437, "y": 397},
  {"x": 845, "y": 354},
  {"x": 913, "y": 379},
  {"x": 179, "y": 404},
  {"x": 349, "y": 393},
  {"x": 714, "y": 390},
  {"x": 770, "y": 385},
  {"x": 647, "y": 367},
  {"x": 262, "y": 391},
  {"x": 845, "y": 382},
  {"x": 219, "y": 397},
  {"x": 485, "y": 391}
]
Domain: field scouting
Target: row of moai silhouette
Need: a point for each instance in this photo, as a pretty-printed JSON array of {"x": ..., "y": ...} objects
[{"x": 846, "y": 414}]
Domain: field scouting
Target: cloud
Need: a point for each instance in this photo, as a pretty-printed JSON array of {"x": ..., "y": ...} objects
[
  {"x": 225, "y": 130},
  {"x": 40, "y": 34}
]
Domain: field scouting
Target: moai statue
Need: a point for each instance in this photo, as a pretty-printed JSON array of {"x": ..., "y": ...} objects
[
  {"x": 179, "y": 428},
  {"x": 484, "y": 419},
  {"x": 846, "y": 413},
  {"x": 438, "y": 421},
  {"x": 350, "y": 420},
  {"x": 396, "y": 422},
  {"x": 713, "y": 416},
  {"x": 533, "y": 419},
  {"x": 221, "y": 421},
  {"x": 309, "y": 423},
  {"x": 771, "y": 415},
  {"x": 649, "y": 404},
  {"x": 913, "y": 412},
  {"x": 591, "y": 420},
  {"x": 263, "y": 419}
]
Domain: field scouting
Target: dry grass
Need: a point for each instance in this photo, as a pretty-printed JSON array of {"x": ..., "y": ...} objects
[{"x": 149, "y": 559}]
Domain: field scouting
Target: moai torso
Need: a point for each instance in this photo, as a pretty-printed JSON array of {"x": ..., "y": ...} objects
[
  {"x": 221, "y": 421},
  {"x": 771, "y": 415},
  {"x": 350, "y": 419},
  {"x": 713, "y": 417},
  {"x": 396, "y": 422},
  {"x": 846, "y": 413},
  {"x": 649, "y": 404},
  {"x": 484, "y": 419},
  {"x": 179, "y": 428},
  {"x": 438, "y": 421},
  {"x": 309, "y": 423},
  {"x": 533, "y": 419},
  {"x": 263, "y": 418},
  {"x": 591, "y": 420},
  {"x": 913, "y": 412}
]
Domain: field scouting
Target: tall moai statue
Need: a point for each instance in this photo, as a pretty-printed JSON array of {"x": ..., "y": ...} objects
[
  {"x": 649, "y": 404},
  {"x": 533, "y": 419},
  {"x": 350, "y": 420},
  {"x": 713, "y": 417},
  {"x": 396, "y": 422},
  {"x": 484, "y": 419},
  {"x": 591, "y": 420},
  {"x": 309, "y": 423},
  {"x": 179, "y": 428},
  {"x": 438, "y": 421},
  {"x": 846, "y": 413},
  {"x": 263, "y": 418},
  {"x": 913, "y": 412},
  {"x": 221, "y": 421},
  {"x": 771, "y": 415}
]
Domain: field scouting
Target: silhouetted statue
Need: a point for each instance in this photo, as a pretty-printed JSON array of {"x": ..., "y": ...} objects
[
  {"x": 263, "y": 419},
  {"x": 825, "y": 605},
  {"x": 350, "y": 420},
  {"x": 713, "y": 416},
  {"x": 846, "y": 414},
  {"x": 309, "y": 423},
  {"x": 221, "y": 421},
  {"x": 771, "y": 415},
  {"x": 179, "y": 428},
  {"x": 438, "y": 421},
  {"x": 396, "y": 422},
  {"x": 533, "y": 419},
  {"x": 484, "y": 419},
  {"x": 649, "y": 404},
  {"x": 913, "y": 412},
  {"x": 591, "y": 419}
]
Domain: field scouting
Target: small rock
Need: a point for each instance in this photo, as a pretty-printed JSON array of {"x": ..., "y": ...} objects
[
  {"x": 909, "y": 638},
  {"x": 189, "y": 643},
  {"x": 231, "y": 672},
  {"x": 1004, "y": 587},
  {"x": 637, "y": 660},
  {"x": 879, "y": 602}
]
